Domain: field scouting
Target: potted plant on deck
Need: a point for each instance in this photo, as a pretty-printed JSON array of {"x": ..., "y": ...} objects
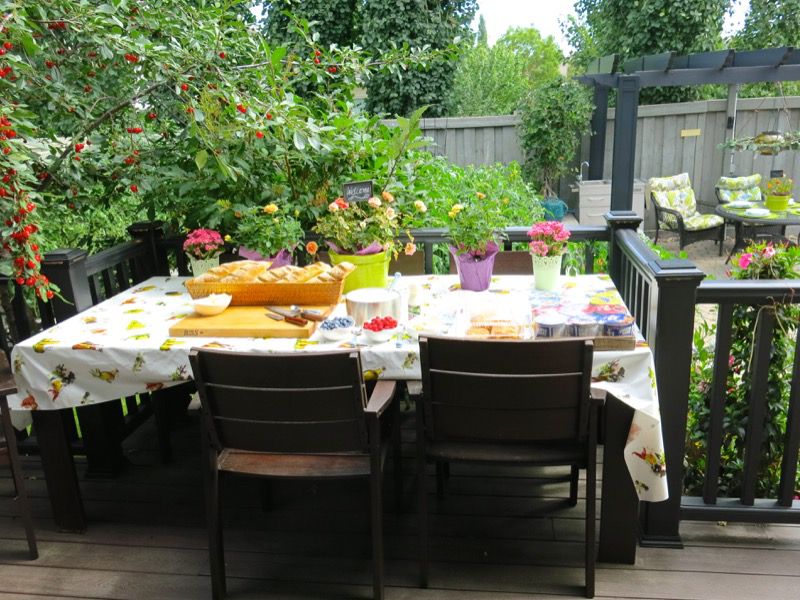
[
  {"x": 203, "y": 247},
  {"x": 553, "y": 118},
  {"x": 475, "y": 227},
  {"x": 362, "y": 233},
  {"x": 547, "y": 246},
  {"x": 268, "y": 232},
  {"x": 777, "y": 192}
]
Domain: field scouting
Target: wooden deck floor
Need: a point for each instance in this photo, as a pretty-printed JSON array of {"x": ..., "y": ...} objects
[{"x": 503, "y": 535}]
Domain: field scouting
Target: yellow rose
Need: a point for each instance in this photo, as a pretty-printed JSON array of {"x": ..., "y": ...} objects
[
  {"x": 270, "y": 209},
  {"x": 480, "y": 195},
  {"x": 227, "y": 238},
  {"x": 457, "y": 208},
  {"x": 420, "y": 206}
]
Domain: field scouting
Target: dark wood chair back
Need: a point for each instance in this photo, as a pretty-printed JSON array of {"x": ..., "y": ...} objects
[
  {"x": 506, "y": 391},
  {"x": 509, "y": 262},
  {"x": 288, "y": 403}
]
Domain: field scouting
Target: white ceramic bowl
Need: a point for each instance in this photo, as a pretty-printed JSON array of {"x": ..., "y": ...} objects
[
  {"x": 365, "y": 303},
  {"x": 212, "y": 305},
  {"x": 378, "y": 337},
  {"x": 339, "y": 334}
]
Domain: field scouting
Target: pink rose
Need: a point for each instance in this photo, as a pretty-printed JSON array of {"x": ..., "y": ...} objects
[
  {"x": 333, "y": 207},
  {"x": 745, "y": 260},
  {"x": 374, "y": 202},
  {"x": 769, "y": 251}
]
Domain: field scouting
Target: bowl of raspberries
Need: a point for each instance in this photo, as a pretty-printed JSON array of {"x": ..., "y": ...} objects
[
  {"x": 337, "y": 329},
  {"x": 379, "y": 329}
]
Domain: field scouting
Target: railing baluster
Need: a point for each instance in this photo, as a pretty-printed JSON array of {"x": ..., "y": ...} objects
[
  {"x": 722, "y": 350},
  {"x": 786, "y": 489},
  {"x": 765, "y": 324},
  {"x": 108, "y": 282}
]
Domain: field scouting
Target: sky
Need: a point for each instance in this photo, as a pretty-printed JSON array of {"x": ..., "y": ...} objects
[{"x": 546, "y": 15}]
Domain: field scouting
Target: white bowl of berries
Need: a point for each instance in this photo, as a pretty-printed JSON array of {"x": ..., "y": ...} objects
[
  {"x": 337, "y": 329},
  {"x": 379, "y": 329}
]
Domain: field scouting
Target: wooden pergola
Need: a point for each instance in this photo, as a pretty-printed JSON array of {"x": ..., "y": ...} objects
[{"x": 667, "y": 69}]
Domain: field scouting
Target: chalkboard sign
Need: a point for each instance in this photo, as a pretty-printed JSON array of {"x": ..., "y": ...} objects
[{"x": 357, "y": 191}]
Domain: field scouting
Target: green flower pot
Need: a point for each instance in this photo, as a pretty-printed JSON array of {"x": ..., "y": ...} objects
[
  {"x": 372, "y": 270},
  {"x": 777, "y": 203}
]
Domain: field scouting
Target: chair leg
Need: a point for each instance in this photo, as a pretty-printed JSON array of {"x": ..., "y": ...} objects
[
  {"x": 161, "y": 416},
  {"x": 214, "y": 523},
  {"x": 721, "y": 240},
  {"x": 591, "y": 501},
  {"x": 376, "y": 510},
  {"x": 24, "y": 502},
  {"x": 422, "y": 502},
  {"x": 573, "y": 485}
]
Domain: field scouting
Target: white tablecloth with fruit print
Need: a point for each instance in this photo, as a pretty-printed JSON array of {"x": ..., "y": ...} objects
[{"x": 122, "y": 347}]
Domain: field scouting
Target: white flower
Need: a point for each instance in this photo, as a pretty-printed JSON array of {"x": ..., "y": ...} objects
[
  {"x": 420, "y": 206},
  {"x": 374, "y": 202}
]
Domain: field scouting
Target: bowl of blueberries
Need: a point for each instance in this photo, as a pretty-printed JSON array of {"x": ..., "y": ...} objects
[{"x": 337, "y": 329}]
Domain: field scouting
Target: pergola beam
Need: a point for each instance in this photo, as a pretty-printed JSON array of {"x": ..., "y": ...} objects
[{"x": 725, "y": 76}]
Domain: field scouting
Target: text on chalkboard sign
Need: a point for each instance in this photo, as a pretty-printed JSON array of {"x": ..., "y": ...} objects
[{"x": 357, "y": 191}]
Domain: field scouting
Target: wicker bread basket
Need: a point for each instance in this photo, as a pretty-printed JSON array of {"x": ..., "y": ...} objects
[{"x": 254, "y": 294}]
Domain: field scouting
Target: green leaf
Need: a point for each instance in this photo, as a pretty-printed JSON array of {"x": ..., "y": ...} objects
[
  {"x": 105, "y": 9},
  {"x": 300, "y": 140},
  {"x": 200, "y": 159},
  {"x": 29, "y": 44}
]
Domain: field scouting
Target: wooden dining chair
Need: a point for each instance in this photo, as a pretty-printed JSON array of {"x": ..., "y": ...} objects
[
  {"x": 293, "y": 416},
  {"x": 508, "y": 402},
  {"x": 9, "y": 455}
]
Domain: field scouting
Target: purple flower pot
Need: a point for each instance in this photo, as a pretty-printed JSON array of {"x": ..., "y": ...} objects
[
  {"x": 281, "y": 259},
  {"x": 475, "y": 270}
]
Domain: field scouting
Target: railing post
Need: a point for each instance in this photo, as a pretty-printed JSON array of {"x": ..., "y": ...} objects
[
  {"x": 618, "y": 219},
  {"x": 67, "y": 269},
  {"x": 622, "y": 162},
  {"x": 677, "y": 282},
  {"x": 150, "y": 232},
  {"x": 597, "y": 143}
]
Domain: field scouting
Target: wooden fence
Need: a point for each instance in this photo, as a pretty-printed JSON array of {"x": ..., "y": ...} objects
[{"x": 670, "y": 139}]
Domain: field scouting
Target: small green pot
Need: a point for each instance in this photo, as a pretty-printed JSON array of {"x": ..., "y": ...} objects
[
  {"x": 372, "y": 270},
  {"x": 777, "y": 203}
]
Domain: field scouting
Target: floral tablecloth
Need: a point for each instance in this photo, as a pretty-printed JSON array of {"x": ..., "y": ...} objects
[{"x": 122, "y": 347}]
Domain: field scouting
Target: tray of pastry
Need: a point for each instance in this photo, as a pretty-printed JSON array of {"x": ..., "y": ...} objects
[{"x": 252, "y": 283}]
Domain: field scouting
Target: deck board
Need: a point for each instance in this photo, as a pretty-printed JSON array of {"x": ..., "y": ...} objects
[{"x": 504, "y": 534}]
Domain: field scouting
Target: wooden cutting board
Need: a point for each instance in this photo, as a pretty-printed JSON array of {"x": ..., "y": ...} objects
[{"x": 244, "y": 321}]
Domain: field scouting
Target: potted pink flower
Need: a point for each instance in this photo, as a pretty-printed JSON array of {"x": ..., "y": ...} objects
[
  {"x": 547, "y": 246},
  {"x": 203, "y": 247}
]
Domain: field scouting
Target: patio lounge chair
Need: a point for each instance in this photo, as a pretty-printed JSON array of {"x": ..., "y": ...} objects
[
  {"x": 293, "y": 416},
  {"x": 507, "y": 402},
  {"x": 676, "y": 210},
  {"x": 729, "y": 189},
  {"x": 9, "y": 456}
]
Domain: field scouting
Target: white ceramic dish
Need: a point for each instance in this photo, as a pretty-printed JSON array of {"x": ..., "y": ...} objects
[
  {"x": 756, "y": 212},
  {"x": 366, "y": 303},
  {"x": 740, "y": 204},
  {"x": 378, "y": 337},
  {"x": 212, "y": 305}
]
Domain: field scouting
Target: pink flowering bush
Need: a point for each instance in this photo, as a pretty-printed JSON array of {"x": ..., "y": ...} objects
[
  {"x": 767, "y": 261},
  {"x": 203, "y": 243},
  {"x": 548, "y": 238}
]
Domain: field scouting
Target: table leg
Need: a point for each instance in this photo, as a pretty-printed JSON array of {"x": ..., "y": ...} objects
[
  {"x": 620, "y": 504},
  {"x": 59, "y": 469},
  {"x": 102, "y": 427}
]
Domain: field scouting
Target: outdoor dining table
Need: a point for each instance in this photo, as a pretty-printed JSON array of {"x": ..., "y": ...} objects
[
  {"x": 738, "y": 215},
  {"x": 122, "y": 347}
]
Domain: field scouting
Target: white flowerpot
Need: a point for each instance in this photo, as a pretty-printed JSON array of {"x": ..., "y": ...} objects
[
  {"x": 201, "y": 265},
  {"x": 546, "y": 271}
]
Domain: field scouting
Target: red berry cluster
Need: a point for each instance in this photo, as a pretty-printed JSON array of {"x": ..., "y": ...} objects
[
  {"x": 380, "y": 323},
  {"x": 134, "y": 130},
  {"x": 131, "y": 58},
  {"x": 57, "y": 26},
  {"x": 19, "y": 237},
  {"x": 241, "y": 108}
]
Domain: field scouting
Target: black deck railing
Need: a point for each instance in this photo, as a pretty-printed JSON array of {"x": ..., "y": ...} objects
[{"x": 764, "y": 295}]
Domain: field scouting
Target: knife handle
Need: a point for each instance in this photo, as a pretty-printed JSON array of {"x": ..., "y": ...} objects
[
  {"x": 295, "y": 320},
  {"x": 312, "y": 315}
]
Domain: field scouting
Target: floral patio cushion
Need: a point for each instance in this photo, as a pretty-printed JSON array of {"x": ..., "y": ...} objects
[
  {"x": 699, "y": 221},
  {"x": 676, "y": 193},
  {"x": 739, "y": 188}
]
